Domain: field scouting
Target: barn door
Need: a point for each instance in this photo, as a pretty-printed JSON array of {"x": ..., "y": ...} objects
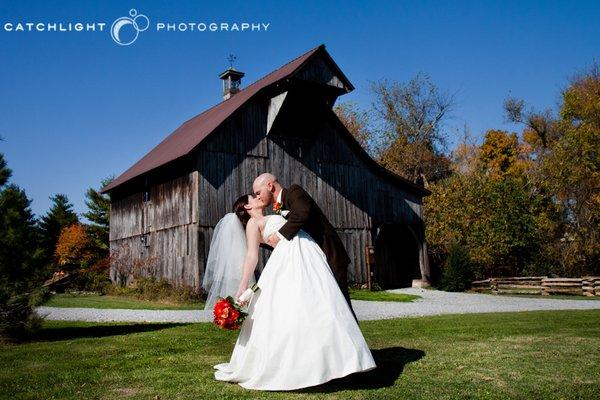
[{"x": 396, "y": 256}]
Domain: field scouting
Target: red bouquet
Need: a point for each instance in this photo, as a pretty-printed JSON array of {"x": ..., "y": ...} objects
[{"x": 228, "y": 314}]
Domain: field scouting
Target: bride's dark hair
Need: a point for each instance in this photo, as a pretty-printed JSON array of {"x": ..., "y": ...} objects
[{"x": 240, "y": 211}]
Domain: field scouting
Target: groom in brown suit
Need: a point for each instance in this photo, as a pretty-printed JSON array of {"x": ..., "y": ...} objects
[{"x": 303, "y": 213}]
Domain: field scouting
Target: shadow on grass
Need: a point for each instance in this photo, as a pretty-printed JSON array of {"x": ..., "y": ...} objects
[
  {"x": 51, "y": 334},
  {"x": 390, "y": 364}
]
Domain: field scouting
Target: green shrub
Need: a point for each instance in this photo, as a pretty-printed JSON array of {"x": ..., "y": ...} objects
[
  {"x": 95, "y": 278},
  {"x": 458, "y": 270},
  {"x": 91, "y": 279},
  {"x": 18, "y": 320},
  {"x": 149, "y": 288},
  {"x": 39, "y": 296}
]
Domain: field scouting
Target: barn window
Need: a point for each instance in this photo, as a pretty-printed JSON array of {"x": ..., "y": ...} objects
[{"x": 146, "y": 195}]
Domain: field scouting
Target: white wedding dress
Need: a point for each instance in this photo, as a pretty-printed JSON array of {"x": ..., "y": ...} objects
[{"x": 299, "y": 331}]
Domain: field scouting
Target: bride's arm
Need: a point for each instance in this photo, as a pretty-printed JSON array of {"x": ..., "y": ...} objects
[{"x": 253, "y": 241}]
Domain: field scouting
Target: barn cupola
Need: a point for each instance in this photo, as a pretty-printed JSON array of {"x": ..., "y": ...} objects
[{"x": 232, "y": 79}]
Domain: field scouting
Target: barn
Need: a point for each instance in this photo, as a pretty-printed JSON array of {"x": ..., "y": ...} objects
[{"x": 167, "y": 204}]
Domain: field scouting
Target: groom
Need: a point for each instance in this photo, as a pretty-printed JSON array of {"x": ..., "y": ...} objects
[{"x": 302, "y": 212}]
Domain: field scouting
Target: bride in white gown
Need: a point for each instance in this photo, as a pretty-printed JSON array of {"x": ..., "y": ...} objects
[{"x": 300, "y": 331}]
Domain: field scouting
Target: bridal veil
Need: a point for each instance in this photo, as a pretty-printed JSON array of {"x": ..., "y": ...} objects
[{"x": 225, "y": 260}]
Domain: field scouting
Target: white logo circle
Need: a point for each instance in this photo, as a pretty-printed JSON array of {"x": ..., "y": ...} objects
[{"x": 125, "y": 30}]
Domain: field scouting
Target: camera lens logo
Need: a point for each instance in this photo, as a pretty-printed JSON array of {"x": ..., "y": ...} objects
[{"x": 125, "y": 30}]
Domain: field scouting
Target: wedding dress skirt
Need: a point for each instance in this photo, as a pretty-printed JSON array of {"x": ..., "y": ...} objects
[{"x": 299, "y": 331}]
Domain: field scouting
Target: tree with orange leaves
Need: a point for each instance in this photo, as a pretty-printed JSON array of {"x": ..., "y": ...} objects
[
  {"x": 74, "y": 246},
  {"x": 502, "y": 154}
]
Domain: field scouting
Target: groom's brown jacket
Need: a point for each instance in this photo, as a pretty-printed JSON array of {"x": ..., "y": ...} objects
[{"x": 305, "y": 214}]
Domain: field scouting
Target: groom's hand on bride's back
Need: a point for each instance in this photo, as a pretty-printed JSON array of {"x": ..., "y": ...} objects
[{"x": 273, "y": 240}]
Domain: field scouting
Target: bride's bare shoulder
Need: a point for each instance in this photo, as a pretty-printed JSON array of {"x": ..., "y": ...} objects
[{"x": 256, "y": 223}]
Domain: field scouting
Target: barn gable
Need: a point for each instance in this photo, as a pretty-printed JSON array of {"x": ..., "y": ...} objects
[{"x": 322, "y": 69}]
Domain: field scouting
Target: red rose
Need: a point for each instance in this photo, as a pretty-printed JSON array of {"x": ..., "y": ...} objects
[{"x": 228, "y": 314}]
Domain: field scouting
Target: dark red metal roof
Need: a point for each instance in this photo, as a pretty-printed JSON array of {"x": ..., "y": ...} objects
[{"x": 192, "y": 132}]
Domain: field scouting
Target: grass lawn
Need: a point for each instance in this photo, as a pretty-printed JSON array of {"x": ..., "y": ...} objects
[
  {"x": 381, "y": 295},
  {"x": 552, "y": 296},
  {"x": 527, "y": 355},
  {"x": 98, "y": 301}
]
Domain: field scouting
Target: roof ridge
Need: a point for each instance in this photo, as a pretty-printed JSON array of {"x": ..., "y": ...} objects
[
  {"x": 253, "y": 83},
  {"x": 283, "y": 66}
]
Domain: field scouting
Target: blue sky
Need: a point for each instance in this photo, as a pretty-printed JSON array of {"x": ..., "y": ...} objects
[{"x": 77, "y": 107}]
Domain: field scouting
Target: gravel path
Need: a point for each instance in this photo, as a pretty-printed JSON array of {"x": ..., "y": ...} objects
[
  {"x": 436, "y": 302},
  {"x": 433, "y": 302}
]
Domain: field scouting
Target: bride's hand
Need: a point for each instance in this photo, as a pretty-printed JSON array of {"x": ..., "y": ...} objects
[{"x": 238, "y": 294}]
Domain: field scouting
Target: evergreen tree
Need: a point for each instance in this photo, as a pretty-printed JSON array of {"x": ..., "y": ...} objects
[
  {"x": 98, "y": 214},
  {"x": 21, "y": 260},
  {"x": 61, "y": 215},
  {"x": 19, "y": 253},
  {"x": 458, "y": 273},
  {"x": 5, "y": 172}
]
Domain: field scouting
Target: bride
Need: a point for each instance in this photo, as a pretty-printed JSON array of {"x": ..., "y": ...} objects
[{"x": 300, "y": 331}]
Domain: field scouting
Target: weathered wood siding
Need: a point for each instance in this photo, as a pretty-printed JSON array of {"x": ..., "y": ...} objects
[
  {"x": 170, "y": 221},
  {"x": 318, "y": 71},
  {"x": 126, "y": 217},
  {"x": 307, "y": 147},
  {"x": 227, "y": 162},
  {"x": 355, "y": 199}
]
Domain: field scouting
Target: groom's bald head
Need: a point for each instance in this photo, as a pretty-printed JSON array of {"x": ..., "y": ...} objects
[
  {"x": 263, "y": 179},
  {"x": 264, "y": 188}
]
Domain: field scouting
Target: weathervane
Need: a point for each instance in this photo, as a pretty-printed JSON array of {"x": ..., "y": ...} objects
[{"x": 231, "y": 58}]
